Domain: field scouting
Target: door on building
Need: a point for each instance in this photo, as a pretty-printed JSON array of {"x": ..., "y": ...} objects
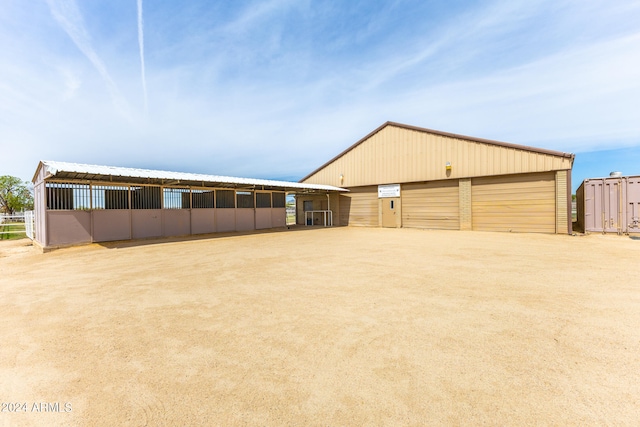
[{"x": 390, "y": 212}]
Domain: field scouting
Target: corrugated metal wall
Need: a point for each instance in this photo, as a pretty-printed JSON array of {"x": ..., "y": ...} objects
[
  {"x": 433, "y": 205},
  {"x": 359, "y": 207},
  {"x": 399, "y": 155},
  {"x": 633, "y": 204},
  {"x": 521, "y": 203},
  {"x": 562, "y": 203},
  {"x": 609, "y": 205}
]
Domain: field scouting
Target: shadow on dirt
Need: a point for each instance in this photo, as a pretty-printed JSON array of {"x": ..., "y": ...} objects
[{"x": 159, "y": 240}]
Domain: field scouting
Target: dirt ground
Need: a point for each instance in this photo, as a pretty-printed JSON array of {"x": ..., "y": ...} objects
[{"x": 343, "y": 326}]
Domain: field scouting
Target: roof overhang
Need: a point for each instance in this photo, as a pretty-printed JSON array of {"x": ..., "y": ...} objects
[{"x": 89, "y": 173}]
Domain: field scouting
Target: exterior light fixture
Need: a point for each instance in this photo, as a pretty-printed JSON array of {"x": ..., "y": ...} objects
[
  {"x": 448, "y": 166},
  {"x": 341, "y": 179}
]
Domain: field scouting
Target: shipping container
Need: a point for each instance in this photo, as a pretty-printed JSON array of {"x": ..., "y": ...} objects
[{"x": 609, "y": 205}]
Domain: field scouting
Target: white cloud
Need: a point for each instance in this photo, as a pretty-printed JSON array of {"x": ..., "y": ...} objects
[{"x": 141, "y": 48}]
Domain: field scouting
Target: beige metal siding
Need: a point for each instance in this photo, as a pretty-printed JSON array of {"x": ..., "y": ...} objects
[
  {"x": 432, "y": 205},
  {"x": 396, "y": 154},
  {"x": 464, "y": 200},
  {"x": 359, "y": 207},
  {"x": 521, "y": 203},
  {"x": 319, "y": 202},
  {"x": 562, "y": 208}
]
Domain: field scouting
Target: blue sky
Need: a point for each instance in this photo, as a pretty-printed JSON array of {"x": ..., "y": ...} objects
[{"x": 274, "y": 88}]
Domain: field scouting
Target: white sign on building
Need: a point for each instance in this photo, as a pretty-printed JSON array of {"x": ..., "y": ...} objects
[{"x": 390, "y": 190}]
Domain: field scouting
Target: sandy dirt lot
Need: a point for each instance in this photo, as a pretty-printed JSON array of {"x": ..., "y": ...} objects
[{"x": 324, "y": 327}]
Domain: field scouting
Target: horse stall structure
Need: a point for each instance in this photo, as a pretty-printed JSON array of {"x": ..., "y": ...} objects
[
  {"x": 77, "y": 203},
  {"x": 609, "y": 205},
  {"x": 406, "y": 176}
]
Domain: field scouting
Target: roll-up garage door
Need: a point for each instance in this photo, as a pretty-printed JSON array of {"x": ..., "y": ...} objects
[
  {"x": 431, "y": 205},
  {"x": 524, "y": 203},
  {"x": 359, "y": 207}
]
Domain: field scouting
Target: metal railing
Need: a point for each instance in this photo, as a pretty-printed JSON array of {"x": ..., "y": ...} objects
[
  {"x": 30, "y": 224},
  {"x": 13, "y": 224}
]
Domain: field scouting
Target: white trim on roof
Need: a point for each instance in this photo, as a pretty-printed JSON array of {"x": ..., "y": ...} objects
[{"x": 52, "y": 168}]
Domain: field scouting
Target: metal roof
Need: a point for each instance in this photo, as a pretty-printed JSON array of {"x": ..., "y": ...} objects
[{"x": 77, "y": 171}]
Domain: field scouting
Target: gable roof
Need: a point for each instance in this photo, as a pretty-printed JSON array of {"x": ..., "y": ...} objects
[{"x": 448, "y": 134}]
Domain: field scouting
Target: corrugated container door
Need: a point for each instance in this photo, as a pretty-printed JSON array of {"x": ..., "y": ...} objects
[
  {"x": 594, "y": 217},
  {"x": 612, "y": 213},
  {"x": 633, "y": 204}
]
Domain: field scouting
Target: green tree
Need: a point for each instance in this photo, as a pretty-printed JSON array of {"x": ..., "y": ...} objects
[{"x": 14, "y": 195}]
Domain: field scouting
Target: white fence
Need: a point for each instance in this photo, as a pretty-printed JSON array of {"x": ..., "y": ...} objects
[
  {"x": 19, "y": 223},
  {"x": 30, "y": 224}
]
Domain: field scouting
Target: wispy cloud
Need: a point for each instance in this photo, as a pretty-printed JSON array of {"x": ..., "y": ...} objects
[
  {"x": 579, "y": 99},
  {"x": 141, "y": 45},
  {"x": 256, "y": 12},
  {"x": 68, "y": 16},
  {"x": 72, "y": 83},
  {"x": 293, "y": 82}
]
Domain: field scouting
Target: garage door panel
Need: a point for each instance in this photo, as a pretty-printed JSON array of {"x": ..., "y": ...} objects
[
  {"x": 359, "y": 207},
  {"x": 524, "y": 203},
  {"x": 518, "y": 194},
  {"x": 431, "y": 205},
  {"x": 516, "y": 204}
]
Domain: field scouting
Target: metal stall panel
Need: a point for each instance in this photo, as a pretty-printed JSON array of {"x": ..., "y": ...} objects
[
  {"x": 111, "y": 224},
  {"x": 245, "y": 219},
  {"x": 263, "y": 205},
  {"x": 146, "y": 223},
  {"x": 433, "y": 205},
  {"x": 176, "y": 222},
  {"x": 633, "y": 204},
  {"x": 68, "y": 227},
  {"x": 225, "y": 220},
  {"x": 520, "y": 203},
  {"x": 278, "y": 217},
  {"x": 359, "y": 207},
  {"x": 263, "y": 218},
  {"x": 203, "y": 221}
]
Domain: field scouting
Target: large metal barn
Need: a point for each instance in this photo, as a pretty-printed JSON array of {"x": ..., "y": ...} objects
[
  {"x": 407, "y": 176},
  {"x": 77, "y": 203}
]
